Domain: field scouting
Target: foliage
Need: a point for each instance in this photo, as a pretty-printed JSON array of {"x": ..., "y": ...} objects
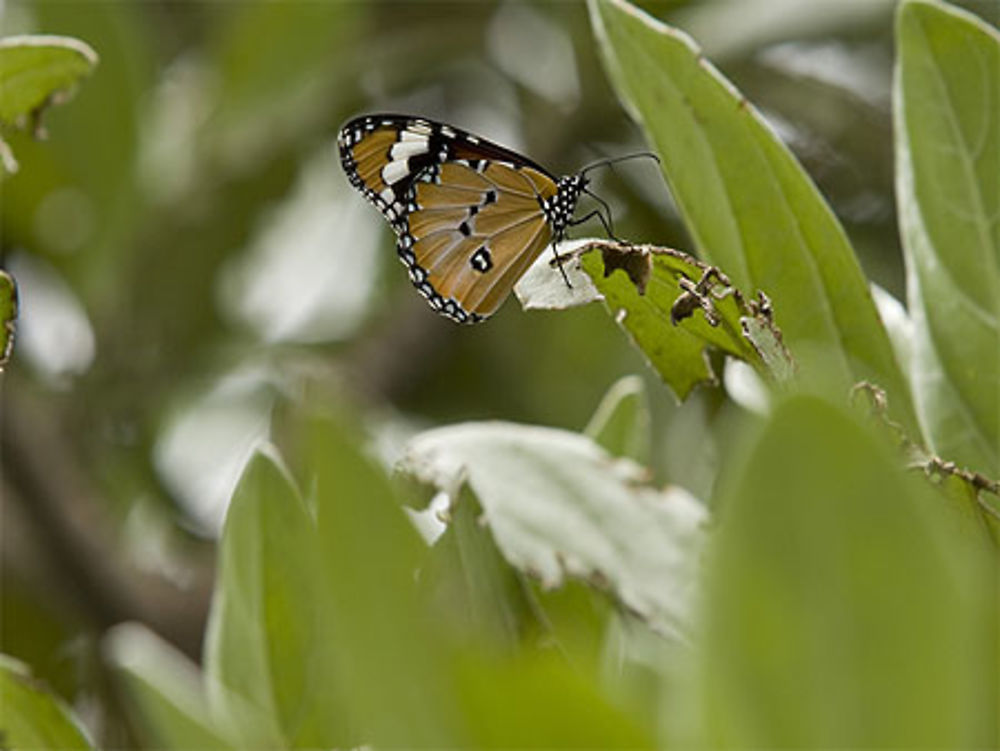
[
  {"x": 748, "y": 204},
  {"x": 36, "y": 72},
  {"x": 834, "y": 584},
  {"x": 32, "y": 717},
  {"x": 8, "y": 315},
  {"x": 658, "y": 290},
  {"x": 948, "y": 152}
]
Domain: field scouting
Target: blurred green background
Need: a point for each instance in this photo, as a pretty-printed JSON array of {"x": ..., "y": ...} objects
[{"x": 187, "y": 249}]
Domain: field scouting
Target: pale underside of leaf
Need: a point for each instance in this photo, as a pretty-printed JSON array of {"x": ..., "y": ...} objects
[{"x": 558, "y": 505}]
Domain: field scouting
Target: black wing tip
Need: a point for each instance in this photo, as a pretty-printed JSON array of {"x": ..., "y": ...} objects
[
  {"x": 439, "y": 128},
  {"x": 383, "y": 118}
]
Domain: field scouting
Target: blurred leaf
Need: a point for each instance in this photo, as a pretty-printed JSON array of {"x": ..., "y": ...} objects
[
  {"x": 656, "y": 301},
  {"x": 748, "y": 204},
  {"x": 34, "y": 717},
  {"x": 576, "y": 620},
  {"x": 300, "y": 44},
  {"x": 282, "y": 67},
  {"x": 37, "y": 71},
  {"x": 621, "y": 423},
  {"x": 898, "y": 324},
  {"x": 8, "y": 316},
  {"x": 470, "y": 580},
  {"x": 559, "y": 505},
  {"x": 948, "y": 157},
  {"x": 87, "y": 165},
  {"x": 974, "y": 497},
  {"x": 655, "y": 677},
  {"x": 844, "y": 607},
  {"x": 737, "y": 29},
  {"x": 389, "y": 667},
  {"x": 264, "y": 628},
  {"x": 164, "y": 689},
  {"x": 540, "y": 702}
]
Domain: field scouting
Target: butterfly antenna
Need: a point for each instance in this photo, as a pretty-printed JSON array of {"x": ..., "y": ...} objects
[{"x": 615, "y": 160}]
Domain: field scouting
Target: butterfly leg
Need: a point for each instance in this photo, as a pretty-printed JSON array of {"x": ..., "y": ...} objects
[
  {"x": 604, "y": 222},
  {"x": 559, "y": 263},
  {"x": 609, "y": 226}
]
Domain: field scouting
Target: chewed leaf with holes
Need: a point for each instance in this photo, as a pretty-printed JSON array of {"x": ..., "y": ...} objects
[
  {"x": 35, "y": 72},
  {"x": 34, "y": 69},
  {"x": 557, "y": 504},
  {"x": 674, "y": 307}
]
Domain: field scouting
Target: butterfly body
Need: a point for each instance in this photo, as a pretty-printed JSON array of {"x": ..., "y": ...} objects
[{"x": 470, "y": 216}]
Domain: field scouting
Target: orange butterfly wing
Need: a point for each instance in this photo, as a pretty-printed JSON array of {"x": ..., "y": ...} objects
[
  {"x": 476, "y": 232},
  {"x": 471, "y": 216}
]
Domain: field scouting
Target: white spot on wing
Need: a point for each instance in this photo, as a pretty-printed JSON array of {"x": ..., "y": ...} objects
[
  {"x": 393, "y": 172},
  {"x": 387, "y": 195},
  {"x": 407, "y": 148}
]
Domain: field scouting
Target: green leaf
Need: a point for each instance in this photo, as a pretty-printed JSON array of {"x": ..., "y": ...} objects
[
  {"x": 559, "y": 505},
  {"x": 35, "y": 70},
  {"x": 655, "y": 299},
  {"x": 469, "y": 580},
  {"x": 388, "y": 667},
  {"x": 621, "y": 423},
  {"x": 89, "y": 163},
  {"x": 540, "y": 702},
  {"x": 677, "y": 309},
  {"x": 973, "y": 497},
  {"x": 491, "y": 605},
  {"x": 164, "y": 689},
  {"x": 34, "y": 717},
  {"x": 577, "y": 619},
  {"x": 267, "y": 98},
  {"x": 8, "y": 316},
  {"x": 845, "y": 605},
  {"x": 748, "y": 204},
  {"x": 947, "y": 122},
  {"x": 264, "y": 626}
]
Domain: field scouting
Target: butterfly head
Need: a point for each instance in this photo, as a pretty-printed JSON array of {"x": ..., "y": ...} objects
[{"x": 559, "y": 208}]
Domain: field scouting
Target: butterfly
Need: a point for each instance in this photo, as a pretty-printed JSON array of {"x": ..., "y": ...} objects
[{"x": 470, "y": 216}]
